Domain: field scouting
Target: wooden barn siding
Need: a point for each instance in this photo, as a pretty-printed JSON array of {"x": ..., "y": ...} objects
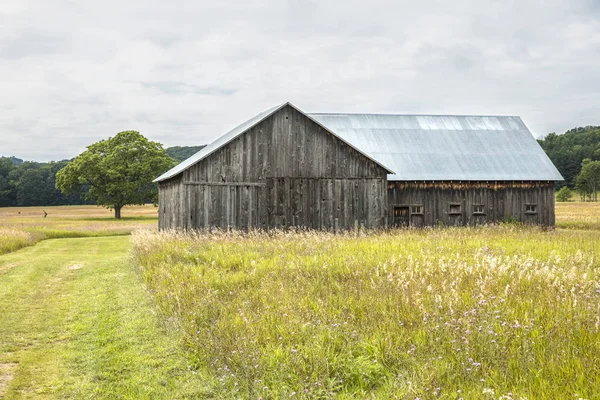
[
  {"x": 286, "y": 171},
  {"x": 501, "y": 200},
  {"x": 170, "y": 203},
  {"x": 295, "y": 147}
]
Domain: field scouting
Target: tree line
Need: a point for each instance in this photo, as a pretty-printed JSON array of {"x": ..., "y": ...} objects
[
  {"x": 30, "y": 183},
  {"x": 124, "y": 166},
  {"x": 576, "y": 155}
]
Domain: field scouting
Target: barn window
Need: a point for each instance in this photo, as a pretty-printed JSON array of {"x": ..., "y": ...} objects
[
  {"x": 455, "y": 208},
  {"x": 530, "y": 208},
  {"x": 416, "y": 209},
  {"x": 478, "y": 209}
]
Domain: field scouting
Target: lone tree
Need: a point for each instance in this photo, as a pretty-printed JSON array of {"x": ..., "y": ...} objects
[{"x": 118, "y": 171}]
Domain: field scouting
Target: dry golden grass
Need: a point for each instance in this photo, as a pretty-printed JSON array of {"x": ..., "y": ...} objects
[
  {"x": 578, "y": 215},
  {"x": 24, "y": 226},
  {"x": 75, "y": 212}
]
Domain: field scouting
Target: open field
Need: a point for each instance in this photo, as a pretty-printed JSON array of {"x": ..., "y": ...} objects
[
  {"x": 578, "y": 215},
  {"x": 24, "y": 226},
  {"x": 449, "y": 313}
]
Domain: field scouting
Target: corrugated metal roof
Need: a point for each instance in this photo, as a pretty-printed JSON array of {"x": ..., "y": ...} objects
[
  {"x": 446, "y": 147},
  {"x": 425, "y": 147}
]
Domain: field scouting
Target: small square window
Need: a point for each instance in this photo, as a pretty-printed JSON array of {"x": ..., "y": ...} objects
[
  {"x": 531, "y": 208},
  {"x": 455, "y": 208},
  {"x": 416, "y": 209},
  {"x": 478, "y": 209}
]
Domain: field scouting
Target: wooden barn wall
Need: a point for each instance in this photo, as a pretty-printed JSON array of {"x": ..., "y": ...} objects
[
  {"x": 286, "y": 171},
  {"x": 285, "y": 145},
  {"x": 170, "y": 204},
  {"x": 501, "y": 201}
]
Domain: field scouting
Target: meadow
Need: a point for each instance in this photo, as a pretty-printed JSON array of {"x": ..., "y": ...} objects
[
  {"x": 75, "y": 319},
  {"x": 508, "y": 311},
  {"x": 24, "y": 226},
  {"x": 490, "y": 312}
]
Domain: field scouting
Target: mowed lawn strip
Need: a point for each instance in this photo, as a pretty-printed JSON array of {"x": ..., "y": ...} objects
[{"x": 76, "y": 322}]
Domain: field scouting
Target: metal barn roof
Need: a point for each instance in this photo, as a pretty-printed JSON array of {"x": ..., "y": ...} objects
[
  {"x": 218, "y": 143},
  {"x": 444, "y": 147},
  {"x": 425, "y": 147}
]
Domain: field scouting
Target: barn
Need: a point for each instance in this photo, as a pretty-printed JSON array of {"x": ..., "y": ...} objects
[{"x": 286, "y": 168}]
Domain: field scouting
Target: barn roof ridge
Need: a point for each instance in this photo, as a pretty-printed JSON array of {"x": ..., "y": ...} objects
[{"x": 392, "y": 114}]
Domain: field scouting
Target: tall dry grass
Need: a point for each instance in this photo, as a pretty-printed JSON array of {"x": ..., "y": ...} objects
[{"x": 489, "y": 312}]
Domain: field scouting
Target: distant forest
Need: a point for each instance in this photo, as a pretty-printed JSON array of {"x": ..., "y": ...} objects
[
  {"x": 30, "y": 183},
  {"x": 567, "y": 151}
]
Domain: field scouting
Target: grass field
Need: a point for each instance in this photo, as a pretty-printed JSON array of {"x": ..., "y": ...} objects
[
  {"x": 75, "y": 322},
  {"x": 25, "y": 226},
  {"x": 508, "y": 312},
  {"x": 578, "y": 215}
]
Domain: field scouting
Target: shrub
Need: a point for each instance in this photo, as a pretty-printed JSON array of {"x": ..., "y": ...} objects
[{"x": 564, "y": 194}]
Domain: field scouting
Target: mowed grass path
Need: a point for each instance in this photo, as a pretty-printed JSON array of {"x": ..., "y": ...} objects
[{"x": 76, "y": 322}]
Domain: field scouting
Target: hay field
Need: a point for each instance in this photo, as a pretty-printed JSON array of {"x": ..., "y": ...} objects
[
  {"x": 510, "y": 312},
  {"x": 25, "y": 226},
  {"x": 578, "y": 215}
]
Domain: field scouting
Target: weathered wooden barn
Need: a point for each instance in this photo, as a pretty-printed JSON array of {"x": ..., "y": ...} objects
[{"x": 286, "y": 168}]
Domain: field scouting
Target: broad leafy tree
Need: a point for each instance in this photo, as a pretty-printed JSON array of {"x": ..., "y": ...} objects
[{"x": 118, "y": 171}]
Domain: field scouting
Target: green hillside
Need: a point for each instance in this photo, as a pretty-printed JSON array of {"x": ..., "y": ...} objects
[{"x": 181, "y": 153}]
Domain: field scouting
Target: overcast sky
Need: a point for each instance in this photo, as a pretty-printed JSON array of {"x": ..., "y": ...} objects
[{"x": 185, "y": 72}]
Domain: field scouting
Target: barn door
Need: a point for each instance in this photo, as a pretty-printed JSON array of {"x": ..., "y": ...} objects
[{"x": 401, "y": 216}]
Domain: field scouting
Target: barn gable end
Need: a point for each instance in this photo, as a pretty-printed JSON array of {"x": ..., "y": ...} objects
[{"x": 285, "y": 170}]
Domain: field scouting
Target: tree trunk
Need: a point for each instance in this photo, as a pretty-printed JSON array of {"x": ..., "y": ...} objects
[{"x": 118, "y": 212}]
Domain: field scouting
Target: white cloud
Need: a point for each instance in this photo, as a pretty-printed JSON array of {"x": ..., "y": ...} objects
[{"x": 183, "y": 73}]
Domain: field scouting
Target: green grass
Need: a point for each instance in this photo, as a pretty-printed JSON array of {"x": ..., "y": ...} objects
[
  {"x": 512, "y": 310},
  {"x": 436, "y": 313},
  {"x": 76, "y": 322}
]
